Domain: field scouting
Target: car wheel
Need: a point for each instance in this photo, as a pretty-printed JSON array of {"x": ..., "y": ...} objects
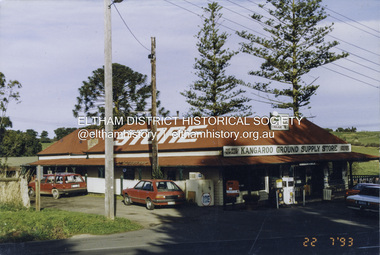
[
  {"x": 55, "y": 193},
  {"x": 127, "y": 200},
  {"x": 31, "y": 192},
  {"x": 149, "y": 204}
]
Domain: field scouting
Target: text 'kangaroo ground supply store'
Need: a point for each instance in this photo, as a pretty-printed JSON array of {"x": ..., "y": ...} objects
[{"x": 214, "y": 159}]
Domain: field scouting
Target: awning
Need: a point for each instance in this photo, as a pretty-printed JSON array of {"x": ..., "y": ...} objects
[
  {"x": 69, "y": 162},
  {"x": 212, "y": 160}
]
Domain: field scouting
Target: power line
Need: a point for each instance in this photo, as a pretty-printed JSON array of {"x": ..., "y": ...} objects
[
  {"x": 234, "y": 22},
  {"x": 354, "y": 45},
  {"x": 362, "y": 65},
  {"x": 355, "y": 26},
  {"x": 377, "y": 87},
  {"x": 184, "y": 9},
  {"x": 355, "y": 72},
  {"x": 353, "y": 20},
  {"x": 266, "y": 37},
  {"x": 328, "y": 34},
  {"x": 125, "y": 23},
  {"x": 359, "y": 56}
]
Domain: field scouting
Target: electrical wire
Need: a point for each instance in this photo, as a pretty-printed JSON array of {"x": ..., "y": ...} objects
[
  {"x": 328, "y": 35},
  {"x": 355, "y": 72},
  {"x": 377, "y": 87},
  {"x": 375, "y": 70},
  {"x": 236, "y": 23},
  {"x": 125, "y": 23},
  {"x": 353, "y": 20},
  {"x": 340, "y": 40},
  {"x": 353, "y": 54},
  {"x": 355, "y": 26}
]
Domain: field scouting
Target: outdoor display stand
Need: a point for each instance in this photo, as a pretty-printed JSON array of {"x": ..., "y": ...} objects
[{"x": 232, "y": 191}]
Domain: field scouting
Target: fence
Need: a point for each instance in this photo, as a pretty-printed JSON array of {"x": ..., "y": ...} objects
[
  {"x": 365, "y": 179},
  {"x": 97, "y": 185}
]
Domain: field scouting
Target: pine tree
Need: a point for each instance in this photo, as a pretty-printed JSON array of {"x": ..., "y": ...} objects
[
  {"x": 130, "y": 94},
  {"x": 295, "y": 47},
  {"x": 214, "y": 93}
]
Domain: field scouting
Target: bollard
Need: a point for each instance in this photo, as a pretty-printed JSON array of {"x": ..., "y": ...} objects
[
  {"x": 277, "y": 199},
  {"x": 304, "y": 194},
  {"x": 121, "y": 185},
  {"x": 85, "y": 178}
]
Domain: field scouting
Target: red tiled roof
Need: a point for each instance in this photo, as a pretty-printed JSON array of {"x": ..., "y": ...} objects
[
  {"x": 212, "y": 160},
  {"x": 305, "y": 133},
  {"x": 69, "y": 144},
  {"x": 70, "y": 162},
  {"x": 298, "y": 134}
]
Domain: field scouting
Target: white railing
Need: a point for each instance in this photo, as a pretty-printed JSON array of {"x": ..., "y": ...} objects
[{"x": 97, "y": 185}]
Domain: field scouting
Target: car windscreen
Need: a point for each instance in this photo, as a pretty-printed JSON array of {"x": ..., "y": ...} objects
[
  {"x": 370, "y": 192},
  {"x": 167, "y": 186},
  {"x": 73, "y": 178},
  {"x": 139, "y": 185}
]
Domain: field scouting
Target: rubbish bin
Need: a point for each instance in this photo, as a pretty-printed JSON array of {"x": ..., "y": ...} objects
[{"x": 327, "y": 194}]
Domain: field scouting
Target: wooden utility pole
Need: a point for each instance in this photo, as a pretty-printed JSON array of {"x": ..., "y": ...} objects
[
  {"x": 109, "y": 164},
  {"x": 38, "y": 188},
  {"x": 152, "y": 56}
]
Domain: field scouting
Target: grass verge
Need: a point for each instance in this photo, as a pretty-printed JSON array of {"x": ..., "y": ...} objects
[
  {"x": 366, "y": 168},
  {"x": 18, "y": 224}
]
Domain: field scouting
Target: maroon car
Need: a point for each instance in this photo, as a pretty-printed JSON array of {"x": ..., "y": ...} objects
[
  {"x": 154, "y": 193},
  {"x": 357, "y": 188},
  {"x": 58, "y": 184}
]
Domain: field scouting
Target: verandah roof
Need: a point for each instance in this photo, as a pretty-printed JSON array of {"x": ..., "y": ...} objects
[{"x": 212, "y": 160}]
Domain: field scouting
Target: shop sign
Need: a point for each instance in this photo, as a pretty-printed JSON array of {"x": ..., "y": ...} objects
[
  {"x": 206, "y": 199},
  {"x": 279, "y": 121},
  {"x": 274, "y": 150}
]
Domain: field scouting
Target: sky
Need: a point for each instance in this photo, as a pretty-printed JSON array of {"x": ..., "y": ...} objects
[{"x": 51, "y": 47}]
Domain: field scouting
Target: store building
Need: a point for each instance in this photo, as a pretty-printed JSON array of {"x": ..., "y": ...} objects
[{"x": 253, "y": 151}]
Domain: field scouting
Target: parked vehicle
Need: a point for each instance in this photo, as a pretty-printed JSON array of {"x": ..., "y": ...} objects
[
  {"x": 154, "y": 193},
  {"x": 356, "y": 189},
  {"x": 59, "y": 184},
  {"x": 367, "y": 199}
]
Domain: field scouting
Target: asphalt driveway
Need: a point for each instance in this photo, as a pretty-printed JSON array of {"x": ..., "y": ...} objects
[{"x": 317, "y": 228}]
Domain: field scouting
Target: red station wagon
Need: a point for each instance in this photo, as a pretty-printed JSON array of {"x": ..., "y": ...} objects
[
  {"x": 58, "y": 184},
  {"x": 154, "y": 193}
]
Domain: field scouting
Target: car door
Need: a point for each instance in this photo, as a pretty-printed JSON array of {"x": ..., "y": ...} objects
[
  {"x": 43, "y": 185},
  {"x": 146, "y": 191},
  {"x": 47, "y": 185},
  {"x": 134, "y": 193}
]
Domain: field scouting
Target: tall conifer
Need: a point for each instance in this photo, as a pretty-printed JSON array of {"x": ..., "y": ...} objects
[{"x": 215, "y": 93}]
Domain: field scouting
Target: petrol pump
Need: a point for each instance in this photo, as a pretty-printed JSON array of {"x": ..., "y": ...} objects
[
  {"x": 279, "y": 192},
  {"x": 288, "y": 189}
]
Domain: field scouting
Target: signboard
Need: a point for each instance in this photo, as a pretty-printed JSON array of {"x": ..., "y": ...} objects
[
  {"x": 279, "y": 121},
  {"x": 206, "y": 199},
  {"x": 274, "y": 150}
]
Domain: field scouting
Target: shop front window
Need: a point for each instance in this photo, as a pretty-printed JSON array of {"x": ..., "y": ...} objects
[{"x": 128, "y": 173}]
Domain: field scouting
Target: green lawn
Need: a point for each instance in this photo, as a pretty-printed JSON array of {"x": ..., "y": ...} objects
[
  {"x": 18, "y": 224},
  {"x": 362, "y": 138},
  {"x": 366, "y": 150},
  {"x": 366, "y": 168},
  {"x": 363, "y": 142},
  {"x": 45, "y": 145}
]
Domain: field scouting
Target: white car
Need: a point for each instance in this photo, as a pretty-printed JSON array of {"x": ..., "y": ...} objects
[{"x": 367, "y": 200}]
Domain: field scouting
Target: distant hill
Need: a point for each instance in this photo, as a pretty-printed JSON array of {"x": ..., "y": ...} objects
[{"x": 362, "y": 138}]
